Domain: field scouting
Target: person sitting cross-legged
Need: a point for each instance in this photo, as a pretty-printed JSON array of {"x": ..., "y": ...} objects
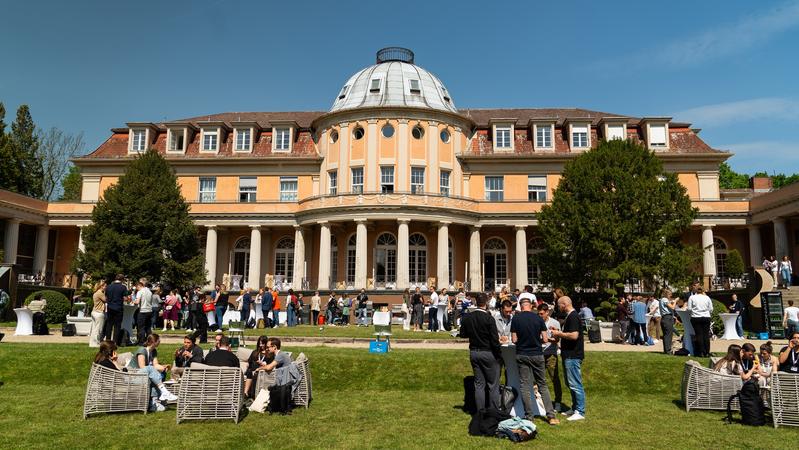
[{"x": 145, "y": 360}]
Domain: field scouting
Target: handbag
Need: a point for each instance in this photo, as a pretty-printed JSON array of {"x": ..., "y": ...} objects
[{"x": 208, "y": 307}]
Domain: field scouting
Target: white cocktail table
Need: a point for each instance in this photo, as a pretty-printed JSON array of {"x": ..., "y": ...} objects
[
  {"x": 688, "y": 337},
  {"x": 730, "y": 332},
  {"x": 24, "y": 322}
]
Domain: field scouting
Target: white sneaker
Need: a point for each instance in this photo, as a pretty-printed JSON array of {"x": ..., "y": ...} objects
[
  {"x": 167, "y": 396},
  {"x": 159, "y": 407},
  {"x": 163, "y": 329},
  {"x": 576, "y": 416}
]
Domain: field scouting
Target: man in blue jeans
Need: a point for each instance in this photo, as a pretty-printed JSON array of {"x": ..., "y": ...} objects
[{"x": 572, "y": 352}]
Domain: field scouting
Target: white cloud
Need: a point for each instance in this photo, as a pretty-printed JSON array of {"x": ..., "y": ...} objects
[
  {"x": 741, "y": 111},
  {"x": 729, "y": 39}
]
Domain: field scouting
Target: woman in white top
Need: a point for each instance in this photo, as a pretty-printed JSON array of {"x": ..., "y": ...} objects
[
  {"x": 790, "y": 318},
  {"x": 731, "y": 363},
  {"x": 786, "y": 271},
  {"x": 768, "y": 364},
  {"x": 653, "y": 308},
  {"x": 774, "y": 265}
]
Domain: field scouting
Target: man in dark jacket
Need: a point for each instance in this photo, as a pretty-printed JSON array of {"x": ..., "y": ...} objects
[
  {"x": 189, "y": 353},
  {"x": 222, "y": 356},
  {"x": 484, "y": 353},
  {"x": 115, "y": 294}
]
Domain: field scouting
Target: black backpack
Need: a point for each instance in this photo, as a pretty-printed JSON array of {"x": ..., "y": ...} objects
[
  {"x": 280, "y": 399},
  {"x": 752, "y": 410},
  {"x": 507, "y": 397},
  {"x": 40, "y": 324}
]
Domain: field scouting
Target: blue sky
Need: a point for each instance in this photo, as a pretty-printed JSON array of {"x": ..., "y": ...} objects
[{"x": 729, "y": 67}]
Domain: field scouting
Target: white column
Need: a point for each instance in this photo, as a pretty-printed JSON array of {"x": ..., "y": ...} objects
[
  {"x": 299, "y": 258},
  {"x": 81, "y": 246},
  {"x": 11, "y": 241},
  {"x": 755, "y": 246},
  {"x": 360, "y": 254},
  {"x": 266, "y": 255},
  {"x": 210, "y": 256},
  {"x": 521, "y": 257},
  {"x": 442, "y": 260},
  {"x": 324, "y": 257},
  {"x": 403, "y": 276},
  {"x": 780, "y": 238},
  {"x": 254, "y": 275},
  {"x": 708, "y": 251},
  {"x": 475, "y": 280},
  {"x": 40, "y": 254}
]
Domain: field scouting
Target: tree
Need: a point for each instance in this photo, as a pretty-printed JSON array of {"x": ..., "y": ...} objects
[
  {"x": 616, "y": 214},
  {"x": 56, "y": 147},
  {"x": 729, "y": 179},
  {"x": 8, "y": 166},
  {"x": 734, "y": 265},
  {"x": 20, "y": 167},
  {"x": 141, "y": 228},
  {"x": 71, "y": 185}
]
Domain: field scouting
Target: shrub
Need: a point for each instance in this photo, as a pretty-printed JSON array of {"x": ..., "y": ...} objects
[
  {"x": 734, "y": 265},
  {"x": 718, "y": 325},
  {"x": 58, "y": 306}
]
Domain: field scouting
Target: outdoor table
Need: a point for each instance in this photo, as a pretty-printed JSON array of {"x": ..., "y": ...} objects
[
  {"x": 231, "y": 315},
  {"x": 729, "y": 320},
  {"x": 688, "y": 336},
  {"x": 512, "y": 379},
  {"x": 127, "y": 319},
  {"x": 211, "y": 317},
  {"x": 24, "y": 322}
]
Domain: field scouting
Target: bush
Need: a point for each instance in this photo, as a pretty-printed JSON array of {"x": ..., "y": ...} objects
[
  {"x": 58, "y": 306},
  {"x": 734, "y": 265},
  {"x": 718, "y": 325}
]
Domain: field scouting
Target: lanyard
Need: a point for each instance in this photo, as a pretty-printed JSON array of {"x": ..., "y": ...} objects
[
  {"x": 794, "y": 358},
  {"x": 743, "y": 364}
]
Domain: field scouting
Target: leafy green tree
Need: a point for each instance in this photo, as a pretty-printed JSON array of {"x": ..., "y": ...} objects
[
  {"x": 20, "y": 165},
  {"x": 71, "y": 185},
  {"x": 729, "y": 179},
  {"x": 616, "y": 214},
  {"x": 141, "y": 228},
  {"x": 734, "y": 265},
  {"x": 8, "y": 166}
]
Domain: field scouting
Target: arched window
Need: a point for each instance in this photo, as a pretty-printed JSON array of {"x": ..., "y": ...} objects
[
  {"x": 417, "y": 259},
  {"x": 534, "y": 247},
  {"x": 284, "y": 259},
  {"x": 241, "y": 258},
  {"x": 720, "y": 249},
  {"x": 495, "y": 263},
  {"x": 333, "y": 260},
  {"x": 351, "y": 243},
  {"x": 385, "y": 260}
]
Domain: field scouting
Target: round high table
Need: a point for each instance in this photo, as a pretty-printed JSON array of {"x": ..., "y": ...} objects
[
  {"x": 512, "y": 379},
  {"x": 730, "y": 332},
  {"x": 127, "y": 320},
  {"x": 688, "y": 336},
  {"x": 24, "y": 322}
]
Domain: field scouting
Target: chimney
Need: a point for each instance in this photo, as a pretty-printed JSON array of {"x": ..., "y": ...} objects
[{"x": 760, "y": 184}]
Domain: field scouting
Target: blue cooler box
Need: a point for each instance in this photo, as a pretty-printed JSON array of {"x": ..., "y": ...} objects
[{"x": 378, "y": 347}]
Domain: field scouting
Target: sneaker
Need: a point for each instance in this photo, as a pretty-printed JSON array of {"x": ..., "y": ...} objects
[
  {"x": 167, "y": 396},
  {"x": 163, "y": 329},
  {"x": 159, "y": 407},
  {"x": 576, "y": 416},
  {"x": 568, "y": 412}
]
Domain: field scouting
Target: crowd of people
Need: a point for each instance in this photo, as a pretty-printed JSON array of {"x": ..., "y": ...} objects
[{"x": 745, "y": 361}]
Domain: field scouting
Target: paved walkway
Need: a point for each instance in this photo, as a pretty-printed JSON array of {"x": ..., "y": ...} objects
[{"x": 717, "y": 346}]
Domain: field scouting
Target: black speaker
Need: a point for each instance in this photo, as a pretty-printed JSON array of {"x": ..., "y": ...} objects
[{"x": 68, "y": 329}]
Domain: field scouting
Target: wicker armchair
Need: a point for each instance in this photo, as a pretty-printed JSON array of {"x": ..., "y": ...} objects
[
  {"x": 264, "y": 380},
  {"x": 304, "y": 393},
  {"x": 785, "y": 399},
  {"x": 111, "y": 390},
  {"x": 210, "y": 393},
  {"x": 703, "y": 388}
]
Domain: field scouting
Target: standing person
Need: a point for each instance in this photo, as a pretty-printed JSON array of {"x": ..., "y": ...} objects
[
  {"x": 774, "y": 266},
  {"x": 266, "y": 307},
  {"x": 528, "y": 332},
  {"x": 291, "y": 311},
  {"x": 790, "y": 318},
  {"x": 362, "y": 299},
  {"x": 330, "y": 309},
  {"x": 701, "y": 308},
  {"x": 418, "y": 310},
  {"x": 504, "y": 320},
  {"x": 275, "y": 307},
  {"x": 195, "y": 309},
  {"x": 202, "y": 320},
  {"x": 316, "y": 306},
  {"x": 528, "y": 294},
  {"x": 459, "y": 298},
  {"x": 632, "y": 328},
  {"x": 484, "y": 353},
  {"x": 654, "y": 323},
  {"x": 98, "y": 315},
  {"x": 550, "y": 350},
  {"x": 789, "y": 355},
  {"x": 143, "y": 300},
  {"x": 246, "y": 308},
  {"x": 786, "y": 270},
  {"x": 585, "y": 314},
  {"x": 115, "y": 297},
  {"x": 624, "y": 319},
  {"x": 432, "y": 312},
  {"x": 572, "y": 351},
  {"x": 407, "y": 307},
  {"x": 666, "y": 307},
  {"x": 345, "y": 303},
  {"x": 639, "y": 319},
  {"x": 443, "y": 305},
  {"x": 220, "y": 305},
  {"x": 157, "y": 307},
  {"x": 171, "y": 309},
  {"x": 739, "y": 307}
]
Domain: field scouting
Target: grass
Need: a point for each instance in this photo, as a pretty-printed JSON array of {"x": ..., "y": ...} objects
[{"x": 403, "y": 399}]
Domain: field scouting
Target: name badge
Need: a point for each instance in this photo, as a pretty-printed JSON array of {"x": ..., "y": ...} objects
[{"x": 794, "y": 369}]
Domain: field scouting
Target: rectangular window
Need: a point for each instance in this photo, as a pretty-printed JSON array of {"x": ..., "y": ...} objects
[
  {"x": 288, "y": 189},
  {"x": 350, "y": 264},
  {"x": 417, "y": 180},
  {"x": 243, "y": 139},
  {"x": 415, "y": 88},
  {"x": 357, "y": 180},
  {"x": 207, "y": 189},
  {"x": 374, "y": 86},
  {"x": 332, "y": 184},
  {"x": 537, "y": 188},
  {"x": 543, "y": 136},
  {"x": 175, "y": 141},
  {"x": 616, "y": 131},
  {"x": 503, "y": 137},
  {"x": 139, "y": 140},
  {"x": 579, "y": 136},
  {"x": 495, "y": 187},
  {"x": 247, "y": 189},
  {"x": 282, "y": 139},
  {"x": 657, "y": 135},
  {"x": 444, "y": 183},
  {"x": 210, "y": 141},
  {"x": 387, "y": 179}
]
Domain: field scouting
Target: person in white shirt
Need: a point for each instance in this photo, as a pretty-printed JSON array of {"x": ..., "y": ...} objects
[
  {"x": 432, "y": 324},
  {"x": 528, "y": 294},
  {"x": 143, "y": 300},
  {"x": 443, "y": 305},
  {"x": 785, "y": 272},
  {"x": 774, "y": 266},
  {"x": 653, "y": 308},
  {"x": 790, "y": 320},
  {"x": 701, "y": 308}
]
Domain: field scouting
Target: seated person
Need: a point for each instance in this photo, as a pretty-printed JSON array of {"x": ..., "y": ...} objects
[
  {"x": 145, "y": 360},
  {"x": 789, "y": 356},
  {"x": 222, "y": 356},
  {"x": 585, "y": 314},
  {"x": 731, "y": 363},
  {"x": 189, "y": 353},
  {"x": 256, "y": 363},
  {"x": 279, "y": 359},
  {"x": 750, "y": 365},
  {"x": 217, "y": 338},
  {"x": 107, "y": 356},
  {"x": 768, "y": 363}
]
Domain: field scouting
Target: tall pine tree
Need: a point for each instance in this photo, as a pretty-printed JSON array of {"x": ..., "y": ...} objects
[
  {"x": 141, "y": 228},
  {"x": 20, "y": 166},
  {"x": 616, "y": 214},
  {"x": 9, "y": 171}
]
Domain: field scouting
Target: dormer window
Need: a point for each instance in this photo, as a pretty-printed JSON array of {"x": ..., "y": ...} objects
[
  {"x": 503, "y": 134},
  {"x": 243, "y": 139},
  {"x": 343, "y": 92},
  {"x": 282, "y": 139},
  {"x": 615, "y": 131},
  {"x": 657, "y": 135},
  {"x": 580, "y": 135},
  {"x": 656, "y": 132},
  {"x": 374, "y": 85},
  {"x": 210, "y": 141},
  {"x": 176, "y": 140},
  {"x": 138, "y": 140},
  {"x": 415, "y": 87},
  {"x": 543, "y": 134}
]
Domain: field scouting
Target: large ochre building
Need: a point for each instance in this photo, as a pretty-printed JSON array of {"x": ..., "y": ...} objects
[{"x": 393, "y": 187}]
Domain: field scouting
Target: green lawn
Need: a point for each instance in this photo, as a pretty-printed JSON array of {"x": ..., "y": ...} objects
[{"x": 406, "y": 399}]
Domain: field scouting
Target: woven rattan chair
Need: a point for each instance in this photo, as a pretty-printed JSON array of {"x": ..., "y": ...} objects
[
  {"x": 210, "y": 393},
  {"x": 785, "y": 399},
  {"x": 111, "y": 390},
  {"x": 304, "y": 393},
  {"x": 702, "y": 388}
]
